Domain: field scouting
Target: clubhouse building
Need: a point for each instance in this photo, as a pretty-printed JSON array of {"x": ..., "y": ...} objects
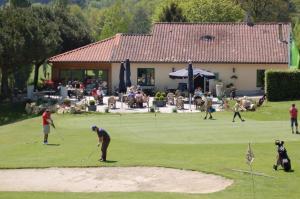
[{"x": 237, "y": 53}]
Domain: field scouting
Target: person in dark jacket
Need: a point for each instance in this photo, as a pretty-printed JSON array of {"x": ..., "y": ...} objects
[{"x": 104, "y": 140}]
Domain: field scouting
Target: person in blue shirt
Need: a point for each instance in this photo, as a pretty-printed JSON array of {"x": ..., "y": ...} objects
[{"x": 104, "y": 140}]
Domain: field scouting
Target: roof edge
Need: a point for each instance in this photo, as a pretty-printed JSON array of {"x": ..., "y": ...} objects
[
  {"x": 80, "y": 48},
  {"x": 220, "y": 23}
]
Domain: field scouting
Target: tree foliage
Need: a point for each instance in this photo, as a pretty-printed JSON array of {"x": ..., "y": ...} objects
[
  {"x": 212, "y": 11},
  {"x": 19, "y": 3},
  {"x": 267, "y": 10},
  {"x": 172, "y": 13},
  {"x": 116, "y": 20}
]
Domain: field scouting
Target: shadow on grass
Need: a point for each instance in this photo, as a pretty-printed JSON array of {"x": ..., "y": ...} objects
[
  {"x": 110, "y": 161},
  {"x": 13, "y": 112},
  {"x": 52, "y": 144}
]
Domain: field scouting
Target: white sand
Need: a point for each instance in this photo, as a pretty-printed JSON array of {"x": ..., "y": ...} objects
[{"x": 111, "y": 179}]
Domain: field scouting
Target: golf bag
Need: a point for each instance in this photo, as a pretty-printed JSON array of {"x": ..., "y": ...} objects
[{"x": 282, "y": 158}]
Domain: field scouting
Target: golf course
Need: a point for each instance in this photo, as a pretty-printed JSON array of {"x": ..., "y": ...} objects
[{"x": 176, "y": 140}]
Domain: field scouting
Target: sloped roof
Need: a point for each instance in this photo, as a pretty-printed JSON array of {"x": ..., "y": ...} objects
[{"x": 198, "y": 42}]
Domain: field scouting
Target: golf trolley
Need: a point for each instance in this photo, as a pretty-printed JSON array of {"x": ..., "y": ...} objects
[{"x": 282, "y": 158}]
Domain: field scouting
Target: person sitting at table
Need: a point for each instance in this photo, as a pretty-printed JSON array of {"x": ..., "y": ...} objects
[
  {"x": 139, "y": 99},
  {"x": 131, "y": 93},
  {"x": 94, "y": 93},
  {"x": 198, "y": 93},
  {"x": 81, "y": 86},
  {"x": 59, "y": 87}
]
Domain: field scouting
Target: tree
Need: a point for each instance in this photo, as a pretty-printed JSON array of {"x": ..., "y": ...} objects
[
  {"x": 140, "y": 22},
  {"x": 62, "y": 4},
  {"x": 212, "y": 11},
  {"x": 267, "y": 10},
  {"x": 45, "y": 39},
  {"x": 116, "y": 20},
  {"x": 14, "y": 29},
  {"x": 172, "y": 13},
  {"x": 19, "y": 3},
  {"x": 73, "y": 32}
]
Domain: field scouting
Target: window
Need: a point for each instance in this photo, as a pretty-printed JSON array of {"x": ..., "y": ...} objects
[
  {"x": 260, "y": 78},
  {"x": 145, "y": 77},
  {"x": 82, "y": 74}
]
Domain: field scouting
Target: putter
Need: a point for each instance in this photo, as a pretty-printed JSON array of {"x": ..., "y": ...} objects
[
  {"x": 89, "y": 156},
  {"x": 59, "y": 135}
]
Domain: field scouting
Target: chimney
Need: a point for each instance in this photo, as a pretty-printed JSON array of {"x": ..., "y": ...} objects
[{"x": 280, "y": 34}]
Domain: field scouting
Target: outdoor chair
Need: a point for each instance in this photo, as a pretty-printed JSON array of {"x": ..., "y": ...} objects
[
  {"x": 111, "y": 102},
  {"x": 131, "y": 102},
  {"x": 180, "y": 103},
  {"x": 139, "y": 101},
  {"x": 199, "y": 103},
  {"x": 99, "y": 99},
  {"x": 170, "y": 98}
]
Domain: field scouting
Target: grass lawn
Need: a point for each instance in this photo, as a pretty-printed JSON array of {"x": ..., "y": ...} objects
[{"x": 169, "y": 140}]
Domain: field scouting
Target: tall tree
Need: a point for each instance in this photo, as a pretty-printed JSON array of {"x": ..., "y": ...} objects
[
  {"x": 73, "y": 32},
  {"x": 140, "y": 22},
  {"x": 19, "y": 3},
  {"x": 172, "y": 13},
  {"x": 14, "y": 29},
  {"x": 212, "y": 11},
  {"x": 62, "y": 4},
  {"x": 116, "y": 20},
  {"x": 267, "y": 10},
  {"x": 45, "y": 38}
]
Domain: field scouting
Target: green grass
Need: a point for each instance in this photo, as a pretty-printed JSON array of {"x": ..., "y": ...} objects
[{"x": 169, "y": 140}]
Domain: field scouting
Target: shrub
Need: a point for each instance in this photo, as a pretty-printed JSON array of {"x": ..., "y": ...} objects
[
  {"x": 174, "y": 110},
  {"x": 282, "y": 85},
  {"x": 106, "y": 110},
  {"x": 160, "y": 96},
  {"x": 92, "y": 102},
  {"x": 157, "y": 95}
]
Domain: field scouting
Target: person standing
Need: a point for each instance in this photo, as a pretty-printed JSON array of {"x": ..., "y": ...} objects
[
  {"x": 104, "y": 138},
  {"x": 236, "y": 110},
  {"x": 294, "y": 114},
  {"x": 47, "y": 121},
  {"x": 208, "y": 105}
]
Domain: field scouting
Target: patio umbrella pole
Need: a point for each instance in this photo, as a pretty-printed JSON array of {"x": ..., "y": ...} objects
[
  {"x": 190, "y": 100},
  {"x": 121, "y": 101}
]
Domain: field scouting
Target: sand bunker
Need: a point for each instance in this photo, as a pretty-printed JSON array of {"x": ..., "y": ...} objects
[{"x": 111, "y": 179}]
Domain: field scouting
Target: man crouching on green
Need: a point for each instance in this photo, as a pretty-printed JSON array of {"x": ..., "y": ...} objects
[{"x": 104, "y": 138}]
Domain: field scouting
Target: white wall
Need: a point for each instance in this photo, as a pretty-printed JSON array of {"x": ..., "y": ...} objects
[{"x": 246, "y": 73}]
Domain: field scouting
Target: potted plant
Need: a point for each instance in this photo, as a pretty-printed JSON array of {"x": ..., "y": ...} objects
[
  {"x": 160, "y": 99},
  {"x": 92, "y": 105},
  {"x": 67, "y": 102}
]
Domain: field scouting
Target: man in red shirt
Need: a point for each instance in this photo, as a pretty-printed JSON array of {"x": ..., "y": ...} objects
[
  {"x": 47, "y": 121},
  {"x": 293, "y": 114}
]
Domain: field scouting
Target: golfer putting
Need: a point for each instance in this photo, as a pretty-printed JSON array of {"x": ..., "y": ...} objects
[
  {"x": 104, "y": 140},
  {"x": 47, "y": 121}
]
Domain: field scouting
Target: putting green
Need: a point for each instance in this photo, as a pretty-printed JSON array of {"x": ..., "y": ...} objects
[{"x": 167, "y": 140}]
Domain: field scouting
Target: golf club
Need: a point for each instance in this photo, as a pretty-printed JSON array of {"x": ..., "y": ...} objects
[
  {"x": 59, "y": 135},
  {"x": 89, "y": 155}
]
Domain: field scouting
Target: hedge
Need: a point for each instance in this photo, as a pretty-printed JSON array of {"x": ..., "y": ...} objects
[{"x": 282, "y": 85}]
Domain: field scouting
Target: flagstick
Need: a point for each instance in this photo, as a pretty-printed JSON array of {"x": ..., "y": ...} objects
[
  {"x": 253, "y": 190},
  {"x": 250, "y": 158}
]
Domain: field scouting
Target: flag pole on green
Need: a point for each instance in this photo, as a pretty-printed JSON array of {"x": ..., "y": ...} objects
[{"x": 249, "y": 161}]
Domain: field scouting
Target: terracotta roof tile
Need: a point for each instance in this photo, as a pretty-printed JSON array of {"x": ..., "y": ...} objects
[
  {"x": 100, "y": 51},
  {"x": 199, "y": 42}
]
